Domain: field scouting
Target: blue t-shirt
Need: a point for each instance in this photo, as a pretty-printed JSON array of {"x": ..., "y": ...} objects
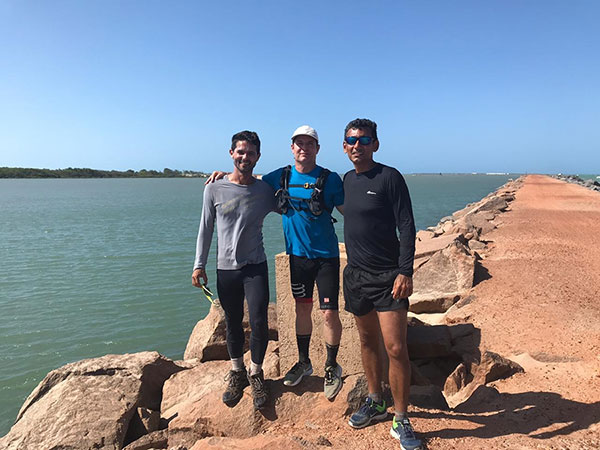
[{"x": 306, "y": 234}]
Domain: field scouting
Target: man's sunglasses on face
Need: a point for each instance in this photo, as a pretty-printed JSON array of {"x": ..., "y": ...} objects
[{"x": 364, "y": 140}]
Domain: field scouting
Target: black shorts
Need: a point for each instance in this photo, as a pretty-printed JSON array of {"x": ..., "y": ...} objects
[
  {"x": 365, "y": 291},
  {"x": 325, "y": 271}
]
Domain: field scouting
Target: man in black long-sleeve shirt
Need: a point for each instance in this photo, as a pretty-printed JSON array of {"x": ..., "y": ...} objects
[{"x": 378, "y": 277}]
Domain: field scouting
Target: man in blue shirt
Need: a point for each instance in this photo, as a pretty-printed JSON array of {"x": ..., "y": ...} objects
[{"x": 307, "y": 194}]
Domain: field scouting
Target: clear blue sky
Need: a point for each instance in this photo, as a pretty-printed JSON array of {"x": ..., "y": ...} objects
[{"x": 455, "y": 86}]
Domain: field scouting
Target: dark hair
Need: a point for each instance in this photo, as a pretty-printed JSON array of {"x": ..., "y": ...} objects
[
  {"x": 363, "y": 124},
  {"x": 248, "y": 136}
]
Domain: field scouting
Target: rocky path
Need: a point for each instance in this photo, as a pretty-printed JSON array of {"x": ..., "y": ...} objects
[{"x": 541, "y": 305}]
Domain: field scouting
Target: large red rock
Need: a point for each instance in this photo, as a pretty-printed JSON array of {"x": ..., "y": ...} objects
[
  {"x": 208, "y": 340},
  {"x": 440, "y": 282},
  {"x": 468, "y": 377},
  {"x": 90, "y": 403}
]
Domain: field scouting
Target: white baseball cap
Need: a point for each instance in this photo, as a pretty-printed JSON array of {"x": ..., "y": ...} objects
[{"x": 306, "y": 130}]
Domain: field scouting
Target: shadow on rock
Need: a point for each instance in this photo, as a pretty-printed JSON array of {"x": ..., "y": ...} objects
[{"x": 528, "y": 413}]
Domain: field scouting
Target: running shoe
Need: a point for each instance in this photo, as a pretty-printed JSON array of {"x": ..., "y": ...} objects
[
  {"x": 238, "y": 380},
  {"x": 295, "y": 374},
  {"x": 333, "y": 381},
  {"x": 367, "y": 413},
  {"x": 259, "y": 390},
  {"x": 403, "y": 431}
]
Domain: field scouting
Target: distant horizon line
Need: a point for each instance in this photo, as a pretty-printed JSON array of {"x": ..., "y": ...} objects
[{"x": 86, "y": 172}]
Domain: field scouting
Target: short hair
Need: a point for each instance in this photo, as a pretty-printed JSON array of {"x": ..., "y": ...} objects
[
  {"x": 362, "y": 124},
  {"x": 249, "y": 136}
]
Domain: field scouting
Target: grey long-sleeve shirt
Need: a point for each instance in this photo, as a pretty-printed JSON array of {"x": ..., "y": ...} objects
[{"x": 240, "y": 211}]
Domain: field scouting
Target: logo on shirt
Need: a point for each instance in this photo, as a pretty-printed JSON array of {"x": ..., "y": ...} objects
[{"x": 371, "y": 193}]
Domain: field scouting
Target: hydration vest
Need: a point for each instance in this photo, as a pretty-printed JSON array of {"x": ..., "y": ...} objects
[{"x": 315, "y": 204}]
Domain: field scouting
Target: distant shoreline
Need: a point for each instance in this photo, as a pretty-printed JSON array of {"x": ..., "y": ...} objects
[{"x": 70, "y": 172}]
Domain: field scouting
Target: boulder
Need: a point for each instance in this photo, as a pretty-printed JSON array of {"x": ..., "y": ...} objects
[
  {"x": 462, "y": 383},
  {"x": 460, "y": 312},
  {"x": 447, "y": 275},
  {"x": 493, "y": 203},
  {"x": 429, "y": 342},
  {"x": 206, "y": 416},
  {"x": 432, "y": 304},
  {"x": 428, "y": 244},
  {"x": 208, "y": 340},
  {"x": 457, "y": 380},
  {"x": 476, "y": 245},
  {"x": 474, "y": 223},
  {"x": 494, "y": 367},
  {"x": 153, "y": 441},
  {"x": 90, "y": 403},
  {"x": 190, "y": 386}
]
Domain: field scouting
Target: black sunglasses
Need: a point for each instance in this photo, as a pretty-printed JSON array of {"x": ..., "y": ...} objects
[{"x": 364, "y": 140}]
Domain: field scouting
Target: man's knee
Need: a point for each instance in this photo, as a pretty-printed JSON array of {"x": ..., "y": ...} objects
[
  {"x": 303, "y": 308},
  {"x": 331, "y": 317},
  {"x": 397, "y": 351}
]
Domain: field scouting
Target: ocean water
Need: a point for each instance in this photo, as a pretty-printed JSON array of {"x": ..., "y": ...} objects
[{"x": 97, "y": 266}]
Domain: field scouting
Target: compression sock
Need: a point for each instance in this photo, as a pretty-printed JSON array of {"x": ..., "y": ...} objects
[
  {"x": 332, "y": 351},
  {"x": 237, "y": 364},
  {"x": 303, "y": 345}
]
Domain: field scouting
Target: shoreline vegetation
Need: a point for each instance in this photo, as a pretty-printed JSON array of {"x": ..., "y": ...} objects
[
  {"x": 85, "y": 172},
  {"x": 75, "y": 172}
]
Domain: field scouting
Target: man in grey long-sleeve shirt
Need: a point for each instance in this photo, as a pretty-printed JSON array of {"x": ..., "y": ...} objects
[{"x": 239, "y": 203}]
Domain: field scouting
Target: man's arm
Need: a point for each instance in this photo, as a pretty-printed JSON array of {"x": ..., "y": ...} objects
[
  {"x": 405, "y": 223},
  {"x": 216, "y": 175},
  {"x": 205, "y": 233},
  {"x": 334, "y": 191}
]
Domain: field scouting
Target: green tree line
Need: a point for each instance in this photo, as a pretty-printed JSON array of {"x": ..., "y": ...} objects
[{"x": 74, "y": 172}]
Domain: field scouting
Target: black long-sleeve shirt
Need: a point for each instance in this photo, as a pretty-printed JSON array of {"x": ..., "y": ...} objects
[{"x": 377, "y": 203}]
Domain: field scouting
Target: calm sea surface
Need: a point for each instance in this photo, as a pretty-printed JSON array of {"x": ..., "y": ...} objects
[{"x": 96, "y": 266}]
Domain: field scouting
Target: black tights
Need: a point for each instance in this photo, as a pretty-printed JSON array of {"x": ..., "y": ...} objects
[{"x": 251, "y": 281}]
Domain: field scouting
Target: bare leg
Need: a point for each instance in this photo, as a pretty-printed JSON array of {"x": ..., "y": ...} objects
[
  {"x": 303, "y": 318},
  {"x": 393, "y": 328},
  {"x": 332, "y": 327},
  {"x": 369, "y": 333}
]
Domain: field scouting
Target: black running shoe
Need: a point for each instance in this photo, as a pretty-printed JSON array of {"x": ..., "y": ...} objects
[
  {"x": 238, "y": 380},
  {"x": 259, "y": 390},
  {"x": 297, "y": 372}
]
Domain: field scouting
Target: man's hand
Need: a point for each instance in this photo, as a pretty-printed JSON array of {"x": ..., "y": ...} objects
[
  {"x": 199, "y": 273},
  {"x": 403, "y": 287},
  {"x": 216, "y": 175}
]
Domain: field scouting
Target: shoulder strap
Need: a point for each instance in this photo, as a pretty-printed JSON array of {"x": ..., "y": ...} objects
[
  {"x": 284, "y": 179},
  {"x": 320, "y": 183}
]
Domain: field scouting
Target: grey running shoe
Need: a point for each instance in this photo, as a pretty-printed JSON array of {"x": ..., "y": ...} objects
[
  {"x": 295, "y": 374},
  {"x": 403, "y": 431},
  {"x": 238, "y": 380},
  {"x": 259, "y": 390},
  {"x": 367, "y": 413},
  {"x": 333, "y": 381}
]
